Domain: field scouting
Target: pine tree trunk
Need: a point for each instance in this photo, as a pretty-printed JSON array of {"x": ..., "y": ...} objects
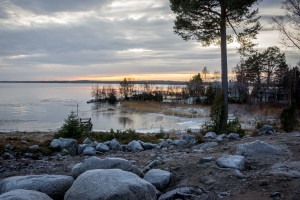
[{"x": 224, "y": 116}]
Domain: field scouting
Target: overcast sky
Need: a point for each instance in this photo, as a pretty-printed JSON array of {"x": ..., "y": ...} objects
[{"x": 108, "y": 39}]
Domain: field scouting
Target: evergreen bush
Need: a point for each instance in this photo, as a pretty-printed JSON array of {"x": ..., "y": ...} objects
[
  {"x": 288, "y": 117},
  {"x": 72, "y": 127}
]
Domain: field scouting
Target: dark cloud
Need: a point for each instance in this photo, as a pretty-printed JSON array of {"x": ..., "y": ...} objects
[{"x": 50, "y": 6}]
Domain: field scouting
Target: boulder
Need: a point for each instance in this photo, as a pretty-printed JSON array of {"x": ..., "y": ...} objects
[
  {"x": 89, "y": 151},
  {"x": 164, "y": 144},
  {"x": 110, "y": 184},
  {"x": 135, "y": 146},
  {"x": 107, "y": 163},
  {"x": 221, "y": 137},
  {"x": 180, "y": 143},
  {"x": 65, "y": 143},
  {"x": 211, "y": 135},
  {"x": 256, "y": 148},
  {"x": 159, "y": 178},
  {"x": 149, "y": 146},
  {"x": 190, "y": 139},
  {"x": 233, "y": 136},
  {"x": 107, "y": 143},
  {"x": 266, "y": 130},
  {"x": 181, "y": 193},
  {"x": 87, "y": 141},
  {"x": 205, "y": 146},
  {"x": 81, "y": 148},
  {"x": 114, "y": 145},
  {"x": 102, "y": 147},
  {"x": 54, "y": 186},
  {"x": 21, "y": 194},
  {"x": 232, "y": 161}
]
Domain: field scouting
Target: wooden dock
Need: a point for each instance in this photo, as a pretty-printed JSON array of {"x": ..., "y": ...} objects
[{"x": 86, "y": 123}]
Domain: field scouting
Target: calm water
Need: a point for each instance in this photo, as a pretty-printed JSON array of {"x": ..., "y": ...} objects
[{"x": 44, "y": 107}]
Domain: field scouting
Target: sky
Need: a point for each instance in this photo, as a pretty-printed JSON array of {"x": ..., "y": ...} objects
[{"x": 109, "y": 40}]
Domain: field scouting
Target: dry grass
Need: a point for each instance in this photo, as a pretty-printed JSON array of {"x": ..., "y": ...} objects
[
  {"x": 22, "y": 139},
  {"x": 142, "y": 106}
]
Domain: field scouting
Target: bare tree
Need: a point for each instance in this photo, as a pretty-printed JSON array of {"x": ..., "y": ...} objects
[
  {"x": 289, "y": 24},
  {"x": 205, "y": 72}
]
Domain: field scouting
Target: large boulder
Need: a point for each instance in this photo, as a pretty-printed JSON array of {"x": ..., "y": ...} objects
[
  {"x": 102, "y": 147},
  {"x": 110, "y": 184},
  {"x": 232, "y": 161},
  {"x": 89, "y": 151},
  {"x": 54, "y": 186},
  {"x": 256, "y": 148},
  {"x": 65, "y": 143},
  {"x": 266, "y": 130},
  {"x": 114, "y": 145},
  {"x": 81, "y": 148},
  {"x": 190, "y": 139},
  {"x": 21, "y": 194},
  {"x": 107, "y": 163},
  {"x": 135, "y": 146},
  {"x": 159, "y": 178},
  {"x": 205, "y": 146},
  {"x": 210, "y": 135}
]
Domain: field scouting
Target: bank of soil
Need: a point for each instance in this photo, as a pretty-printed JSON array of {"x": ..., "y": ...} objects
[{"x": 257, "y": 181}]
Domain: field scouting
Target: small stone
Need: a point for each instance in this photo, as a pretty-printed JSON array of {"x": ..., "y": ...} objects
[
  {"x": 9, "y": 147},
  {"x": 263, "y": 182},
  {"x": 276, "y": 195},
  {"x": 7, "y": 156},
  {"x": 64, "y": 152},
  {"x": 34, "y": 147},
  {"x": 205, "y": 160}
]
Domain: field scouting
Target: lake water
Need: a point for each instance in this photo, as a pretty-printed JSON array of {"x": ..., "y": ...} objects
[{"x": 45, "y": 106}]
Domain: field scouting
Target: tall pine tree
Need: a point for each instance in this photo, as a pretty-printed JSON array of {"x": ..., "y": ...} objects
[{"x": 207, "y": 21}]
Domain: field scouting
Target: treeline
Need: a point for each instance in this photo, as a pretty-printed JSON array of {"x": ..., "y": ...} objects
[{"x": 261, "y": 77}]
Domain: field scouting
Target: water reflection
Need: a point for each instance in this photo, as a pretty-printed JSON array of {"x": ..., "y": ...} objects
[{"x": 125, "y": 121}]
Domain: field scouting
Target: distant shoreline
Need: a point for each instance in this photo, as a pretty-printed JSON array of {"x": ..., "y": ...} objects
[{"x": 103, "y": 82}]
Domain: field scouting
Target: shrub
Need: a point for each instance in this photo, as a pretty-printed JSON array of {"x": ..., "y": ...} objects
[
  {"x": 112, "y": 99},
  {"x": 72, "y": 127},
  {"x": 235, "y": 126},
  {"x": 216, "y": 113},
  {"x": 161, "y": 134},
  {"x": 288, "y": 117}
]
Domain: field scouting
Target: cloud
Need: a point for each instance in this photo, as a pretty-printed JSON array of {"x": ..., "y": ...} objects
[{"x": 73, "y": 38}]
